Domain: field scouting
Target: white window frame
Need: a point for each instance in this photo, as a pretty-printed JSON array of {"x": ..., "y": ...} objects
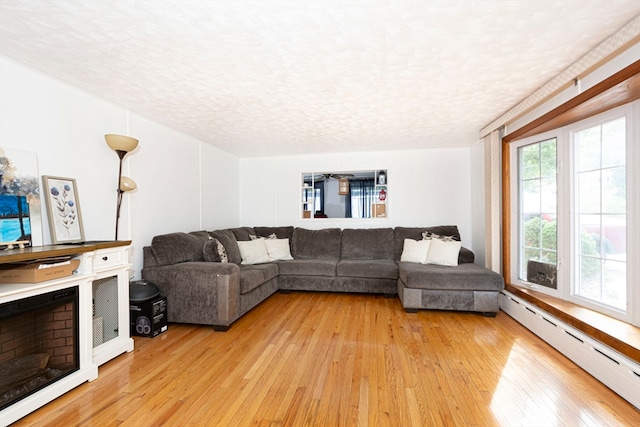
[
  {"x": 565, "y": 209},
  {"x": 515, "y": 213}
]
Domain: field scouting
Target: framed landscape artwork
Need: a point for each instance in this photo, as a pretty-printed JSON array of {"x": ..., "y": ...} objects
[
  {"x": 20, "y": 216},
  {"x": 65, "y": 220},
  {"x": 15, "y": 224}
]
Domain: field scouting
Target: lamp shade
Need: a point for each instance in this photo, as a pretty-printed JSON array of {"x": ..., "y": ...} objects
[
  {"x": 121, "y": 142},
  {"x": 127, "y": 184}
]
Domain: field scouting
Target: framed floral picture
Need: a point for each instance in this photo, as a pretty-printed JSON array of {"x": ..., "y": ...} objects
[{"x": 65, "y": 220}]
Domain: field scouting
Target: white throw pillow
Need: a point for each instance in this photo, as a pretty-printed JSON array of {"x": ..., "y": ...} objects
[
  {"x": 253, "y": 251},
  {"x": 443, "y": 253},
  {"x": 415, "y": 250},
  {"x": 278, "y": 249}
]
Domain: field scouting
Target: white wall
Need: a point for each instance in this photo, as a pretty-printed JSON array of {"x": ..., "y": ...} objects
[
  {"x": 183, "y": 184},
  {"x": 426, "y": 187},
  {"x": 477, "y": 190}
]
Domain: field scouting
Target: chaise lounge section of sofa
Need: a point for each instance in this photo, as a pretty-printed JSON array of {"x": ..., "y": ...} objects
[
  {"x": 202, "y": 291},
  {"x": 465, "y": 287}
]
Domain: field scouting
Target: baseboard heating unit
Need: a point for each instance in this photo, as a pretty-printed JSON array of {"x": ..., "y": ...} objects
[{"x": 616, "y": 371}]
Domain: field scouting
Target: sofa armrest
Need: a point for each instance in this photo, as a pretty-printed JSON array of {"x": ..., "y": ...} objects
[
  {"x": 198, "y": 292},
  {"x": 466, "y": 256},
  {"x": 148, "y": 257}
]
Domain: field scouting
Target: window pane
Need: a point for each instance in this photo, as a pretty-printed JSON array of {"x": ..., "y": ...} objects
[
  {"x": 538, "y": 205},
  {"x": 531, "y": 196},
  {"x": 530, "y": 160},
  {"x": 614, "y": 198},
  {"x": 548, "y": 159},
  {"x": 589, "y": 149},
  {"x": 589, "y": 192},
  {"x": 548, "y": 196},
  {"x": 615, "y": 278},
  {"x": 548, "y": 256},
  {"x": 589, "y": 281},
  {"x": 601, "y": 214},
  {"x": 614, "y": 236},
  {"x": 590, "y": 231},
  {"x": 613, "y": 138},
  {"x": 549, "y": 234},
  {"x": 532, "y": 231}
]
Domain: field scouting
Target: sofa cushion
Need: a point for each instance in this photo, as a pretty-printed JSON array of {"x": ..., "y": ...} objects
[
  {"x": 316, "y": 244},
  {"x": 214, "y": 251},
  {"x": 427, "y": 235},
  {"x": 443, "y": 252},
  {"x": 173, "y": 248},
  {"x": 253, "y": 251},
  {"x": 243, "y": 233},
  {"x": 228, "y": 240},
  {"x": 280, "y": 232},
  {"x": 367, "y": 243},
  {"x": 377, "y": 269},
  {"x": 308, "y": 267},
  {"x": 415, "y": 233},
  {"x": 463, "y": 277},
  {"x": 415, "y": 251},
  {"x": 278, "y": 249},
  {"x": 253, "y": 276}
]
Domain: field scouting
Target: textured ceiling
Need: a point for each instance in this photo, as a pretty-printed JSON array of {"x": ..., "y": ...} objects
[{"x": 288, "y": 77}]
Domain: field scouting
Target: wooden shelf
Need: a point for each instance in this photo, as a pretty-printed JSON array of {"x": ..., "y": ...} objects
[{"x": 51, "y": 251}]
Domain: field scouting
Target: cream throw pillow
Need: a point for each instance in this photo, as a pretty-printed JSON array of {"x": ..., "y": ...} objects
[
  {"x": 253, "y": 251},
  {"x": 415, "y": 251},
  {"x": 278, "y": 249},
  {"x": 443, "y": 253}
]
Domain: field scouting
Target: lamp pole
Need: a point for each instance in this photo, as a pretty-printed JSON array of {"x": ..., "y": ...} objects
[{"x": 121, "y": 155}]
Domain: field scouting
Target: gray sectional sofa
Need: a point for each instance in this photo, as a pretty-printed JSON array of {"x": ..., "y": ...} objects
[{"x": 331, "y": 259}]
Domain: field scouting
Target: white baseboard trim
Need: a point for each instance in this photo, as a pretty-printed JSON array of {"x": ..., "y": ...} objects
[{"x": 613, "y": 369}]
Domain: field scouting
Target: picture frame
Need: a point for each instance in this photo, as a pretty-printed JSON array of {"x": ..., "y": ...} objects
[
  {"x": 15, "y": 221},
  {"x": 63, "y": 207}
]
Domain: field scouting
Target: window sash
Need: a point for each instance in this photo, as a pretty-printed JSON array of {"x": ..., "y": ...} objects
[{"x": 567, "y": 238}]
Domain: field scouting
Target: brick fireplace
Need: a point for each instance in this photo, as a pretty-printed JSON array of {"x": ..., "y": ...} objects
[{"x": 39, "y": 342}]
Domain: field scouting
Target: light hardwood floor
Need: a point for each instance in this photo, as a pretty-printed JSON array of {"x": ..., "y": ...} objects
[{"x": 322, "y": 359}]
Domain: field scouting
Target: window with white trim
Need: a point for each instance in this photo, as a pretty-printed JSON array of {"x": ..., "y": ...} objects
[
  {"x": 600, "y": 218},
  {"x": 537, "y": 220},
  {"x": 577, "y": 197}
]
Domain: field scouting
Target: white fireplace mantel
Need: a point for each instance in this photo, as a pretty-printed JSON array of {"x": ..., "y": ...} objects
[{"x": 97, "y": 261}]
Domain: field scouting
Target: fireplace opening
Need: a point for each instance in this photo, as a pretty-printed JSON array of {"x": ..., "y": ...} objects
[{"x": 39, "y": 343}]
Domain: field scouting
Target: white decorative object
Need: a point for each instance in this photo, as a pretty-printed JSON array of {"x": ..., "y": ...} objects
[
  {"x": 415, "y": 251},
  {"x": 278, "y": 249},
  {"x": 253, "y": 251},
  {"x": 65, "y": 219},
  {"x": 443, "y": 252}
]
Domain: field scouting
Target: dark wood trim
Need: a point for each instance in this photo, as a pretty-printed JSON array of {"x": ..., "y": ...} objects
[
  {"x": 618, "y": 335},
  {"x": 621, "y": 88},
  {"x": 506, "y": 212}
]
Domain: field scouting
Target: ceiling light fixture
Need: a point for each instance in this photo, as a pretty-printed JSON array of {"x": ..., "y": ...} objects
[{"x": 343, "y": 186}]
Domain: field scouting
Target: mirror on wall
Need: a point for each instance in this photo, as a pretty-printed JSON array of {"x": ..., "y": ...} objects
[{"x": 345, "y": 194}]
